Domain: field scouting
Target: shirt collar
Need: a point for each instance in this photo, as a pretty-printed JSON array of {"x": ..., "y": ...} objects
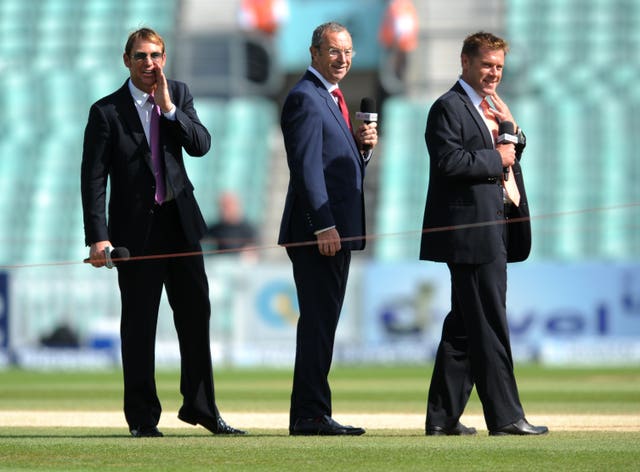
[
  {"x": 138, "y": 95},
  {"x": 473, "y": 95},
  {"x": 329, "y": 86}
]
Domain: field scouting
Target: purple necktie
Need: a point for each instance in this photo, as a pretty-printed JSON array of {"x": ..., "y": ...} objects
[{"x": 156, "y": 153}]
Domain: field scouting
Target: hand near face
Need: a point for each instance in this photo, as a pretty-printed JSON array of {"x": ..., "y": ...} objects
[
  {"x": 161, "y": 94},
  {"x": 501, "y": 110},
  {"x": 146, "y": 67}
]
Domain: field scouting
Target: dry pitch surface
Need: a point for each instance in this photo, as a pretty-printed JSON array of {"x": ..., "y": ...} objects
[{"x": 109, "y": 419}]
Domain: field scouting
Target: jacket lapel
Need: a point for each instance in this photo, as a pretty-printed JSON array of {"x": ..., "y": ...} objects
[
  {"x": 131, "y": 121},
  {"x": 335, "y": 111},
  {"x": 337, "y": 114},
  {"x": 482, "y": 127}
]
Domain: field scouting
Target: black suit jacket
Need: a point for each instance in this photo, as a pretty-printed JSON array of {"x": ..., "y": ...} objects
[
  {"x": 115, "y": 147},
  {"x": 464, "y": 212}
]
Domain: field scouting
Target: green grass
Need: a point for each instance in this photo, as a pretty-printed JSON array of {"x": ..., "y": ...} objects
[
  {"x": 356, "y": 389},
  {"x": 93, "y": 449}
]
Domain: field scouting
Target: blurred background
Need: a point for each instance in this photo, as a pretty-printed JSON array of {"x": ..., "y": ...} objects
[{"x": 569, "y": 80}]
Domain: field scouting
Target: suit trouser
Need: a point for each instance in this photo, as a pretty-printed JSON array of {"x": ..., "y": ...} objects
[
  {"x": 185, "y": 281},
  {"x": 475, "y": 349},
  {"x": 321, "y": 283}
]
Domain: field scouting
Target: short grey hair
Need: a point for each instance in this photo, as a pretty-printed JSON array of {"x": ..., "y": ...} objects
[{"x": 318, "y": 33}]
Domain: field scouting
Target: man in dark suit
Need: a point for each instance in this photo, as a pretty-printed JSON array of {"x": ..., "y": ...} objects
[
  {"x": 466, "y": 224},
  {"x": 323, "y": 219},
  {"x": 152, "y": 213}
]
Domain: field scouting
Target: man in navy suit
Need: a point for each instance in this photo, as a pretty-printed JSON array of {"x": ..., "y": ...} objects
[
  {"x": 154, "y": 223},
  {"x": 323, "y": 219},
  {"x": 466, "y": 224}
]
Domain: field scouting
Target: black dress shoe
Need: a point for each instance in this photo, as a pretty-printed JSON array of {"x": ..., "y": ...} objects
[
  {"x": 323, "y": 426},
  {"x": 520, "y": 428},
  {"x": 145, "y": 432},
  {"x": 458, "y": 430},
  {"x": 216, "y": 426},
  {"x": 224, "y": 428}
]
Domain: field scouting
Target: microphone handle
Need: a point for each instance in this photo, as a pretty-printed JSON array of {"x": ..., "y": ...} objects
[
  {"x": 365, "y": 147},
  {"x": 107, "y": 255},
  {"x": 111, "y": 253},
  {"x": 505, "y": 173}
]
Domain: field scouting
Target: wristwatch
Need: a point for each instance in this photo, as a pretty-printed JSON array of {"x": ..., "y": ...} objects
[{"x": 522, "y": 141}]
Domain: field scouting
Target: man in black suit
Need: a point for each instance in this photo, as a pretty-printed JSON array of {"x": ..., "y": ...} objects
[
  {"x": 152, "y": 212},
  {"x": 466, "y": 224},
  {"x": 323, "y": 219}
]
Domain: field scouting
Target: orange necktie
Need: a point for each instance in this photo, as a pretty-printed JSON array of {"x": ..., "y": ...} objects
[
  {"x": 342, "y": 104},
  {"x": 510, "y": 186}
]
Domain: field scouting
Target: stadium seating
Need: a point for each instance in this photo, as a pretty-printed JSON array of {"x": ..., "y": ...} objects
[
  {"x": 573, "y": 93},
  {"x": 403, "y": 179},
  {"x": 577, "y": 100},
  {"x": 56, "y": 58},
  {"x": 239, "y": 157}
]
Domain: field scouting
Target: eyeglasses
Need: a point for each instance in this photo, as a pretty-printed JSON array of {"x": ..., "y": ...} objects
[
  {"x": 335, "y": 52},
  {"x": 142, "y": 56}
]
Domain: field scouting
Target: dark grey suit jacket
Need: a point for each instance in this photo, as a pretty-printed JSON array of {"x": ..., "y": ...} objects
[
  {"x": 464, "y": 212},
  {"x": 115, "y": 147}
]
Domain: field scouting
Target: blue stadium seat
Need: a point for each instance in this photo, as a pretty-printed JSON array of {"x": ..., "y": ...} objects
[
  {"x": 56, "y": 57},
  {"x": 239, "y": 156},
  {"x": 582, "y": 87},
  {"x": 403, "y": 179}
]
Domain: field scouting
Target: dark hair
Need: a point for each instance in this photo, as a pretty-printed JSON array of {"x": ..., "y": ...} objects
[
  {"x": 318, "y": 33},
  {"x": 476, "y": 41},
  {"x": 146, "y": 34}
]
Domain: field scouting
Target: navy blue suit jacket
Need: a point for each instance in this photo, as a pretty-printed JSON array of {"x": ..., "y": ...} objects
[
  {"x": 464, "y": 213},
  {"x": 325, "y": 165}
]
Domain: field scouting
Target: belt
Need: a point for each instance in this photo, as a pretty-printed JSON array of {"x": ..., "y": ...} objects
[{"x": 166, "y": 205}]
